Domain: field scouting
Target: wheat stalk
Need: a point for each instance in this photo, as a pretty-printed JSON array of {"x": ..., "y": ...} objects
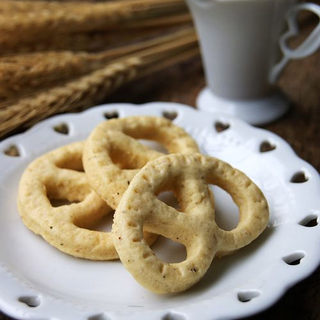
[
  {"x": 30, "y": 19},
  {"x": 39, "y": 84},
  {"x": 14, "y": 6},
  {"x": 92, "y": 88},
  {"x": 88, "y": 41},
  {"x": 18, "y": 33},
  {"x": 23, "y": 73}
]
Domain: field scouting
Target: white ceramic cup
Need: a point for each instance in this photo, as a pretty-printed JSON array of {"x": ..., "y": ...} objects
[{"x": 240, "y": 41}]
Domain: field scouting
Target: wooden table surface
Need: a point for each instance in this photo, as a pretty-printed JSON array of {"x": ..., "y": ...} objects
[{"x": 300, "y": 127}]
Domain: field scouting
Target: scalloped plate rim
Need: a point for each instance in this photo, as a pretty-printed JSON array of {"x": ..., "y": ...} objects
[{"x": 281, "y": 288}]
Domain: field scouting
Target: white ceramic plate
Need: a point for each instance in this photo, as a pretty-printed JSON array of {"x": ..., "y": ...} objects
[{"x": 39, "y": 282}]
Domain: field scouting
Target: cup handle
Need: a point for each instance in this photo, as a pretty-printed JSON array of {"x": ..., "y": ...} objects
[{"x": 309, "y": 46}]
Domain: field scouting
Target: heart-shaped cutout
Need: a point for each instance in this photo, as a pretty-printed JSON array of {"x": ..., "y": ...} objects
[
  {"x": 267, "y": 146},
  {"x": 221, "y": 126},
  {"x": 246, "y": 296},
  {"x": 309, "y": 45},
  {"x": 100, "y": 316},
  {"x": 309, "y": 221},
  {"x": 171, "y": 115},
  {"x": 61, "y": 128},
  {"x": 111, "y": 115},
  {"x": 293, "y": 259},
  {"x": 173, "y": 316},
  {"x": 12, "y": 151},
  {"x": 30, "y": 301},
  {"x": 299, "y": 177}
]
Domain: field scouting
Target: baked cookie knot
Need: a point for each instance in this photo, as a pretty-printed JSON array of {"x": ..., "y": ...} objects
[
  {"x": 56, "y": 201},
  {"x": 194, "y": 226},
  {"x": 113, "y": 154}
]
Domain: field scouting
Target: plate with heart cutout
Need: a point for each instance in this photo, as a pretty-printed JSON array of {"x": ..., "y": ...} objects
[{"x": 39, "y": 282}]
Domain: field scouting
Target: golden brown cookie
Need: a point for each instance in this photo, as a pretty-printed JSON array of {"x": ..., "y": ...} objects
[
  {"x": 113, "y": 155},
  {"x": 56, "y": 202},
  {"x": 193, "y": 226}
]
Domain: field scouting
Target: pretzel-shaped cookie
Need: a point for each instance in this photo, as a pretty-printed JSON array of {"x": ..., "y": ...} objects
[
  {"x": 194, "y": 226},
  {"x": 57, "y": 175},
  {"x": 112, "y": 155}
]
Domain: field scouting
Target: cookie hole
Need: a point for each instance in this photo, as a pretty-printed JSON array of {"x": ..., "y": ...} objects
[
  {"x": 60, "y": 194},
  {"x": 12, "y": 151},
  {"x": 171, "y": 115},
  {"x": 294, "y": 258},
  {"x": 173, "y": 316},
  {"x": 153, "y": 145},
  {"x": 111, "y": 114},
  {"x": 61, "y": 202},
  {"x": 71, "y": 165},
  {"x": 246, "y": 296},
  {"x": 102, "y": 224},
  {"x": 100, "y": 316},
  {"x": 30, "y": 301},
  {"x": 221, "y": 126},
  {"x": 62, "y": 128},
  {"x": 170, "y": 199},
  {"x": 169, "y": 251},
  {"x": 267, "y": 146},
  {"x": 73, "y": 161},
  {"x": 299, "y": 177},
  {"x": 227, "y": 212},
  {"x": 309, "y": 221}
]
